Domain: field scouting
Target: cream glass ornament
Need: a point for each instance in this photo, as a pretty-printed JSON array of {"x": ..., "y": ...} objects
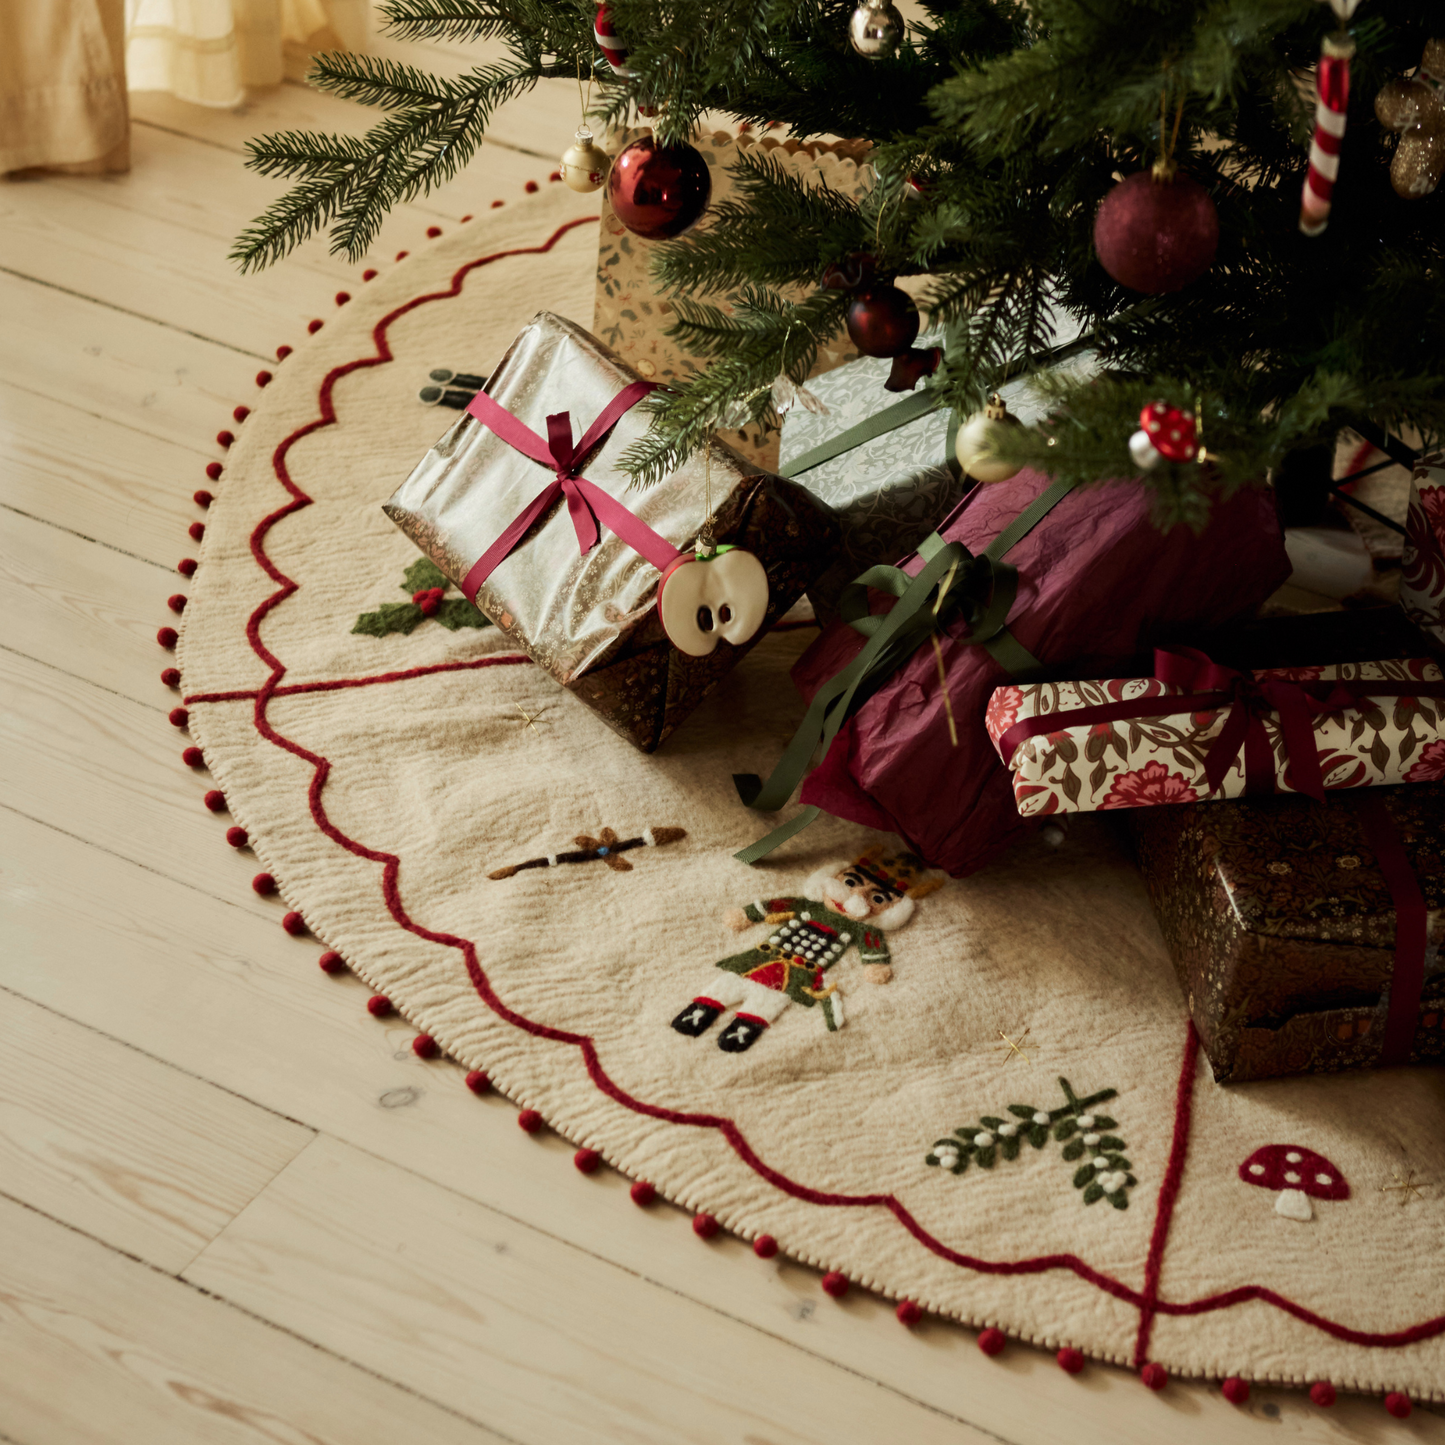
[
  {"x": 876, "y": 29},
  {"x": 584, "y": 165},
  {"x": 706, "y": 598},
  {"x": 976, "y": 447}
]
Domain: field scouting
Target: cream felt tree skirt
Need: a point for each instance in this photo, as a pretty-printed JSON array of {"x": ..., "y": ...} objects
[{"x": 382, "y": 778}]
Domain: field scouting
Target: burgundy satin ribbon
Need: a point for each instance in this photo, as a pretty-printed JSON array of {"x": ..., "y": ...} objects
[
  {"x": 1208, "y": 686},
  {"x": 587, "y": 504},
  {"x": 1407, "y": 983}
]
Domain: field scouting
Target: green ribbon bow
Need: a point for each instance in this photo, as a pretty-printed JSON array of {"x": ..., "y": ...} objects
[{"x": 953, "y": 583}]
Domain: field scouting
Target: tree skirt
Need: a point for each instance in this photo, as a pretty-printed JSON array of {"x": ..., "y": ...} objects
[{"x": 1091, "y": 1196}]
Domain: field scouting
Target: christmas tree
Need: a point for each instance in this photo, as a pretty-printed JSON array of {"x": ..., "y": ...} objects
[{"x": 999, "y": 131}]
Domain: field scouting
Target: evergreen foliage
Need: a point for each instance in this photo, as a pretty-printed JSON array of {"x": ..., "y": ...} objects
[{"x": 1019, "y": 119}]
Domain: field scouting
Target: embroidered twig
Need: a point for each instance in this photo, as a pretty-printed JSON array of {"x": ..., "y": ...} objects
[
  {"x": 606, "y": 846},
  {"x": 529, "y": 719}
]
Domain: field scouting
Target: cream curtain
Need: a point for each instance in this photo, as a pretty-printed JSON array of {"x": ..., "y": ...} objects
[
  {"x": 62, "y": 85},
  {"x": 209, "y": 51}
]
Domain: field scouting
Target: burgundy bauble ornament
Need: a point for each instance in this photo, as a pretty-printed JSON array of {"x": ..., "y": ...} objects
[
  {"x": 882, "y": 320},
  {"x": 1156, "y": 232},
  {"x": 657, "y": 192}
]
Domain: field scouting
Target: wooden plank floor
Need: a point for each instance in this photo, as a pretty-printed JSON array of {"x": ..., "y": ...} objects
[{"x": 234, "y": 1208}]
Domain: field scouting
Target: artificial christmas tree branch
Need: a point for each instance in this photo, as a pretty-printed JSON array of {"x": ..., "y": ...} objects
[{"x": 998, "y": 133}]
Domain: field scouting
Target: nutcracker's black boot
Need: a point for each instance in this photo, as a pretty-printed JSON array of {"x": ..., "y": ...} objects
[
  {"x": 741, "y": 1034},
  {"x": 697, "y": 1018}
]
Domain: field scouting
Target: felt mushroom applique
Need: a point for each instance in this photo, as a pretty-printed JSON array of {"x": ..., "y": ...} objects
[{"x": 1299, "y": 1175}]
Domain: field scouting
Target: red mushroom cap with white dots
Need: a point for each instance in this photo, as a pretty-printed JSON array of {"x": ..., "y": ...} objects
[{"x": 1288, "y": 1166}]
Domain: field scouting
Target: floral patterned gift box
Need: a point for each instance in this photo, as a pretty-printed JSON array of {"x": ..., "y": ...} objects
[
  {"x": 1422, "y": 583},
  {"x": 1284, "y": 921},
  {"x": 1122, "y": 742}
]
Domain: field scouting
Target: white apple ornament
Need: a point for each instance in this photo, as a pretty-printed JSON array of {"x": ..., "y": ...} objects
[{"x": 703, "y": 599}]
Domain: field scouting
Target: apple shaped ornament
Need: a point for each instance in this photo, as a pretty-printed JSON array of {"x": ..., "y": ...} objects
[{"x": 720, "y": 596}]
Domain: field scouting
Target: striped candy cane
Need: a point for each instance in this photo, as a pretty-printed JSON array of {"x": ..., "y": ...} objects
[
  {"x": 605, "y": 34},
  {"x": 1332, "y": 96}
]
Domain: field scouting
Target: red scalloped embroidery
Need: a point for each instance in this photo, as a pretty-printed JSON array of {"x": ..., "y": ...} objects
[{"x": 1149, "y": 1303}]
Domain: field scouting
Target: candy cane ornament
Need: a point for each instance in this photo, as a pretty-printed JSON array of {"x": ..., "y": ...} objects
[{"x": 1332, "y": 98}]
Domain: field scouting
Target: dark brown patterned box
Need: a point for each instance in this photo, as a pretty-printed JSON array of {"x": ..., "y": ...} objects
[{"x": 1282, "y": 927}]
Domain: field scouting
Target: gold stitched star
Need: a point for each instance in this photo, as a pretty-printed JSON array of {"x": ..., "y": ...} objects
[
  {"x": 1406, "y": 1187},
  {"x": 1014, "y": 1045},
  {"x": 528, "y": 717}
]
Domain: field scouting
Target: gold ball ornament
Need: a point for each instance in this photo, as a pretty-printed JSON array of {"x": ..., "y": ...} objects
[
  {"x": 876, "y": 29},
  {"x": 585, "y": 165},
  {"x": 977, "y": 442}
]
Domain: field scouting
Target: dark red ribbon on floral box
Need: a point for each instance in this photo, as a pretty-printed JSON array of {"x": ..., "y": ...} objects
[
  {"x": 587, "y": 504},
  {"x": 1208, "y": 686}
]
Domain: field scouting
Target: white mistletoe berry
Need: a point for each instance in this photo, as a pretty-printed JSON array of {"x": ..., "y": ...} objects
[
  {"x": 983, "y": 1139},
  {"x": 1091, "y": 1140},
  {"x": 1086, "y": 1121},
  {"x": 1041, "y": 1118},
  {"x": 1008, "y": 1130}
]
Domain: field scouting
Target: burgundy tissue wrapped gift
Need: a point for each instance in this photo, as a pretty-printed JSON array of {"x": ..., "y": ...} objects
[{"x": 1098, "y": 582}]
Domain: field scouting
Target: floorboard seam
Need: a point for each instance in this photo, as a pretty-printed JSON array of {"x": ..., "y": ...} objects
[
  {"x": 262, "y": 1319},
  {"x": 84, "y": 537}
]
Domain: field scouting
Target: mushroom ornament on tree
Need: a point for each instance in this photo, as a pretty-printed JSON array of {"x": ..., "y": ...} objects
[
  {"x": 1299, "y": 1175},
  {"x": 1166, "y": 434}
]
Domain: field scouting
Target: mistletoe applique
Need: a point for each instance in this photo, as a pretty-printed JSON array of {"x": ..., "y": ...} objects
[
  {"x": 428, "y": 587},
  {"x": 1085, "y": 1135}
]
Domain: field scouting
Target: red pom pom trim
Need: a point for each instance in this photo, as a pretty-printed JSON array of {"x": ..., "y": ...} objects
[
  {"x": 213, "y": 471},
  {"x": 237, "y": 837},
  {"x": 1397, "y": 1402},
  {"x": 1071, "y": 1361},
  {"x": 197, "y": 530},
  {"x": 586, "y": 1161},
  {"x": 378, "y": 1006},
  {"x": 314, "y": 326},
  {"x": 176, "y": 602},
  {"x": 171, "y": 676},
  {"x": 179, "y": 717},
  {"x": 225, "y": 439},
  {"x": 264, "y": 884},
  {"x": 342, "y": 297},
  {"x": 425, "y": 1047},
  {"x": 263, "y": 378},
  {"x": 642, "y": 1193},
  {"x": 194, "y": 758},
  {"x": 1235, "y": 1390},
  {"x": 294, "y": 924},
  {"x": 555, "y": 176},
  {"x": 402, "y": 255},
  {"x": 704, "y": 1226},
  {"x": 497, "y": 204},
  {"x": 1154, "y": 1376},
  {"x": 167, "y": 637},
  {"x": 1323, "y": 1394},
  {"x": 835, "y": 1284},
  {"x": 765, "y": 1246},
  {"x": 187, "y": 566},
  {"x": 529, "y": 1121},
  {"x": 991, "y": 1341},
  {"x": 908, "y": 1313},
  {"x": 531, "y": 188},
  {"x": 369, "y": 274},
  {"x": 478, "y": 1082},
  {"x": 331, "y": 962},
  {"x": 216, "y": 801},
  {"x": 241, "y": 413},
  {"x": 202, "y": 498},
  {"x": 282, "y": 352},
  {"x": 433, "y": 232}
]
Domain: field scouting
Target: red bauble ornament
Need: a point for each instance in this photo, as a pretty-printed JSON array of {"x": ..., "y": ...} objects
[
  {"x": 1156, "y": 234},
  {"x": 882, "y": 320},
  {"x": 659, "y": 191}
]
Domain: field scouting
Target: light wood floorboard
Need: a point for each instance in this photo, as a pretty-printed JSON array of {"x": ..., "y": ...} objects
[{"x": 181, "y": 1263}]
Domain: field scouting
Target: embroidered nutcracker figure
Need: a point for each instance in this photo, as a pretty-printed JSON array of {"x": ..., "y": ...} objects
[{"x": 843, "y": 906}]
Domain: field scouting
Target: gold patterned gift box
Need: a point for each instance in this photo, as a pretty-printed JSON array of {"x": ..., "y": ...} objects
[
  {"x": 1285, "y": 933},
  {"x": 1121, "y": 743},
  {"x": 590, "y": 618}
]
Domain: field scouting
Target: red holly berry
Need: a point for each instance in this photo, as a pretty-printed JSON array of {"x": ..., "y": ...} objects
[{"x": 429, "y": 599}]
